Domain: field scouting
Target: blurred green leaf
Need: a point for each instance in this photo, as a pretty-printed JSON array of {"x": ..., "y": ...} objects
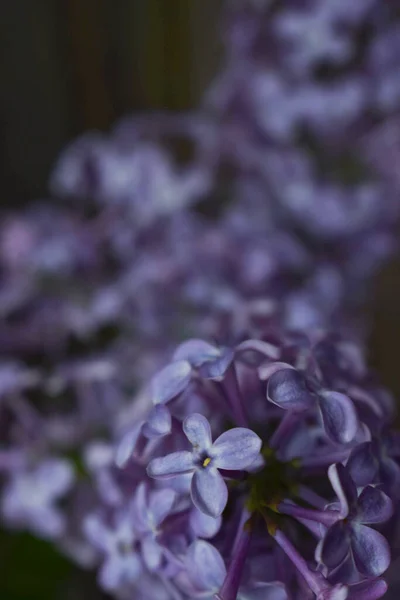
[{"x": 31, "y": 568}]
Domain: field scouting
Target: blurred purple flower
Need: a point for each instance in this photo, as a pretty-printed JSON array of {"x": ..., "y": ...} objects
[{"x": 29, "y": 498}]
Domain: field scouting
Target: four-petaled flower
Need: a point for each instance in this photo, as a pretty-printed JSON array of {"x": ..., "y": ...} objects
[
  {"x": 122, "y": 564},
  {"x": 29, "y": 499},
  {"x": 352, "y": 532},
  {"x": 288, "y": 389},
  {"x": 235, "y": 449}
]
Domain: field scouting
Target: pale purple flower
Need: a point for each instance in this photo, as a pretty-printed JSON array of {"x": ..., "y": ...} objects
[
  {"x": 122, "y": 565},
  {"x": 29, "y": 499},
  {"x": 311, "y": 37},
  {"x": 140, "y": 178},
  {"x": 235, "y": 449}
]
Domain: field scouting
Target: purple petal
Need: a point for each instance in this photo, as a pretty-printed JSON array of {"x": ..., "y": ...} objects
[
  {"x": 126, "y": 447},
  {"x": 55, "y": 475},
  {"x": 347, "y": 571},
  {"x": 48, "y": 522},
  {"x": 302, "y": 442},
  {"x": 152, "y": 553},
  {"x": 181, "y": 483},
  {"x": 362, "y": 464},
  {"x": 122, "y": 529},
  {"x": 344, "y": 488},
  {"x": 205, "y": 567},
  {"x": 370, "y": 550},
  {"x": 368, "y": 590},
  {"x": 158, "y": 423},
  {"x": 266, "y": 371},
  {"x": 110, "y": 576},
  {"x": 236, "y": 449},
  {"x": 217, "y": 367},
  {"x": 204, "y": 526},
  {"x": 287, "y": 389},
  {"x": 160, "y": 505},
  {"x": 256, "y": 350},
  {"x": 119, "y": 572},
  {"x": 374, "y": 506},
  {"x": 198, "y": 432},
  {"x": 108, "y": 488},
  {"x": 171, "y": 381},
  {"x": 140, "y": 507},
  {"x": 209, "y": 492},
  {"x": 196, "y": 352},
  {"x": 338, "y": 592},
  {"x": 339, "y": 416},
  {"x": 98, "y": 455},
  {"x": 335, "y": 546},
  {"x": 176, "y": 463},
  {"x": 97, "y": 534}
]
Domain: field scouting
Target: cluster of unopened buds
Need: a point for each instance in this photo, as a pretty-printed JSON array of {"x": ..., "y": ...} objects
[{"x": 263, "y": 471}]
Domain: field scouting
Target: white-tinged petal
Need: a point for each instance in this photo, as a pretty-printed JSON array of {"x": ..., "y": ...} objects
[
  {"x": 236, "y": 449},
  {"x": 198, "y": 431}
]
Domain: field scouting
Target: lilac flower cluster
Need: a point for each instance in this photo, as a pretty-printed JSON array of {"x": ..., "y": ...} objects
[
  {"x": 301, "y": 120},
  {"x": 264, "y": 470},
  {"x": 305, "y": 110},
  {"x": 259, "y": 464}
]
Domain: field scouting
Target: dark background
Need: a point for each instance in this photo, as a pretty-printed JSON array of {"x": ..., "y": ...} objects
[{"x": 71, "y": 65}]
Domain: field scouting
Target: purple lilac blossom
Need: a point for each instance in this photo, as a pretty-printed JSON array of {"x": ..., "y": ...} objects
[
  {"x": 299, "y": 92},
  {"x": 97, "y": 290},
  {"x": 350, "y": 533},
  {"x": 29, "y": 498},
  {"x": 281, "y": 489},
  {"x": 235, "y": 449}
]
